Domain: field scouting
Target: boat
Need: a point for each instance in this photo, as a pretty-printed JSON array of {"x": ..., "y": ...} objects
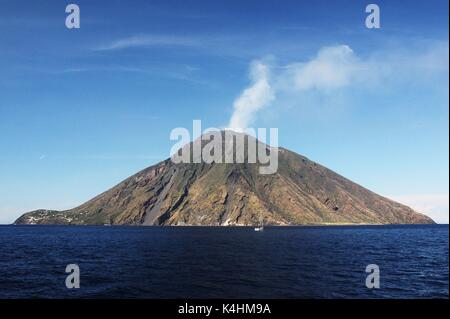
[{"x": 260, "y": 227}]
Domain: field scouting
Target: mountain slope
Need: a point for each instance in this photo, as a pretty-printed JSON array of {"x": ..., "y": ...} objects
[{"x": 300, "y": 192}]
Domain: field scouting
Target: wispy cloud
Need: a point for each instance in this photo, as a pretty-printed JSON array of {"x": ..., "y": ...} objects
[
  {"x": 112, "y": 157},
  {"x": 244, "y": 45},
  {"x": 150, "y": 41},
  {"x": 435, "y": 206},
  {"x": 332, "y": 69},
  {"x": 180, "y": 72}
]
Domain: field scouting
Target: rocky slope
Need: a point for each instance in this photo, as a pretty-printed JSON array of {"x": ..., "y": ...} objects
[{"x": 301, "y": 192}]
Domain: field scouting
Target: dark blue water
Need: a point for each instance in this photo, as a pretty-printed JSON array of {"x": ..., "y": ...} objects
[{"x": 201, "y": 262}]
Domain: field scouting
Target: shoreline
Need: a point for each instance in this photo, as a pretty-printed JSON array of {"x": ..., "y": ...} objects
[{"x": 221, "y": 226}]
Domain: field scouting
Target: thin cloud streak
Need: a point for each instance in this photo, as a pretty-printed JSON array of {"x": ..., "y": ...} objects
[
  {"x": 185, "y": 73},
  {"x": 150, "y": 41}
]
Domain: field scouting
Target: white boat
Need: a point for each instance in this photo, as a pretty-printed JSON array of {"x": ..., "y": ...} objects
[{"x": 260, "y": 227}]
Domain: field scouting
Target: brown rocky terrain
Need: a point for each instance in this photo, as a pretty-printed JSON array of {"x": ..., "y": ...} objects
[{"x": 301, "y": 192}]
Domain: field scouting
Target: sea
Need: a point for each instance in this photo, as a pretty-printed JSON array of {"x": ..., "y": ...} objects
[{"x": 411, "y": 261}]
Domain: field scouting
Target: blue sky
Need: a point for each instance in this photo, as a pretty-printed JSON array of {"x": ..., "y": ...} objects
[{"x": 80, "y": 110}]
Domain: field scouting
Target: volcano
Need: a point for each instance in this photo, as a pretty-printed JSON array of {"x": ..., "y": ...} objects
[{"x": 300, "y": 192}]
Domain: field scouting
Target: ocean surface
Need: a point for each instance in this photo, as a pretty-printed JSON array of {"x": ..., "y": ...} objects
[{"x": 219, "y": 262}]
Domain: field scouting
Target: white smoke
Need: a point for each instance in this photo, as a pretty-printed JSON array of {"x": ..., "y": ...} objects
[
  {"x": 254, "y": 98},
  {"x": 334, "y": 68}
]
